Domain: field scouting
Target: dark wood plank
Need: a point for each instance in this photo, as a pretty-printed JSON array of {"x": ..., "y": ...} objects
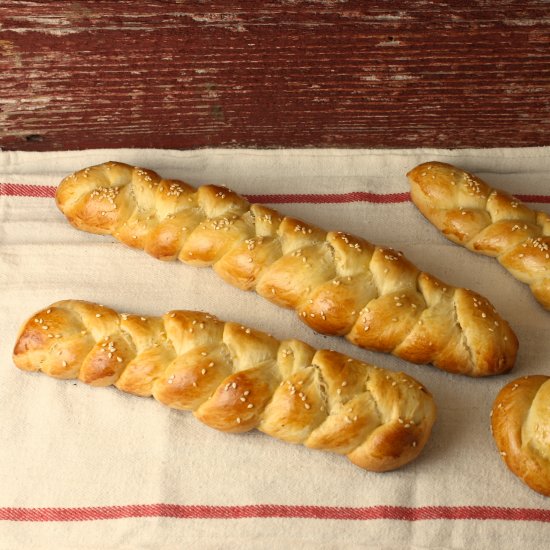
[{"x": 270, "y": 74}]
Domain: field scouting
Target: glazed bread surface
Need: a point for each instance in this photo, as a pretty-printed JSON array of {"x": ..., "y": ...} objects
[
  {"x": 235, "y": 379},
  {"x": 520, "y": 421},
  {"x": 338, "y": 284},
  {"x": 471, "y": 213}
]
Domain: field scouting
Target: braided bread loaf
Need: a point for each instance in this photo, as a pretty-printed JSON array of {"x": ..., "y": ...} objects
[
  {"x": 338, "y": 283},
  {"x": 520, "y": 422},
  {"x": 235, "y": 379},
  {"x": 486, "y": 220}
]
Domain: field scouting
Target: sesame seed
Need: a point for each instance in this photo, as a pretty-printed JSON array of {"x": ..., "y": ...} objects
[
  {"x": 307, "y": 405},
  {"x": 238, "y": 419},
  {"x": 250, "y": 406},
  {"x": 64, "y": 363},
  {"x": 98, "y": 314}
]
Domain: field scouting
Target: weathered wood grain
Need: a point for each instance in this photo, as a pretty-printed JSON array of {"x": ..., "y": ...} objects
[{"x": 271, "y": 74}]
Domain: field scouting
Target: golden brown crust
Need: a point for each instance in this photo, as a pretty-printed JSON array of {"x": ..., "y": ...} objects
[
  {"x": 520, "y": 421},
  {"x": 485, "y": 220},
  {"x": 337, "y": 283},
  {"x": 236, "y": 379}
]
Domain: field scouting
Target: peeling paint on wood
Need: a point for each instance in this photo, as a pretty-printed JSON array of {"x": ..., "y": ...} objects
[{"x": 296, "y": 73}]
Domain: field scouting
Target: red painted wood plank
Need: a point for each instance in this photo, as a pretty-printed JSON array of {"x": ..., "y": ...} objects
[{"x": 269, "y": 74}]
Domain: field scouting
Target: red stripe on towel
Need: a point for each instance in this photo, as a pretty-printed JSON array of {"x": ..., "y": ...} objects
[
  {"x": 47, "y": 191},
  {"x": 180, "y": 511}
]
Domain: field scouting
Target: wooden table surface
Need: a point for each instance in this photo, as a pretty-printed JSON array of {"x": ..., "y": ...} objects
[{"x": 292, "y": 73}]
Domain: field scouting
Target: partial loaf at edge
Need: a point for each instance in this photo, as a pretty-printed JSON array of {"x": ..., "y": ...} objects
[
  {"x": 338, "y": 284},
  {"x": 520, "y": 422},
  {"x": 236, "y": 379},
  {"x": 489, "y": 221}
]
